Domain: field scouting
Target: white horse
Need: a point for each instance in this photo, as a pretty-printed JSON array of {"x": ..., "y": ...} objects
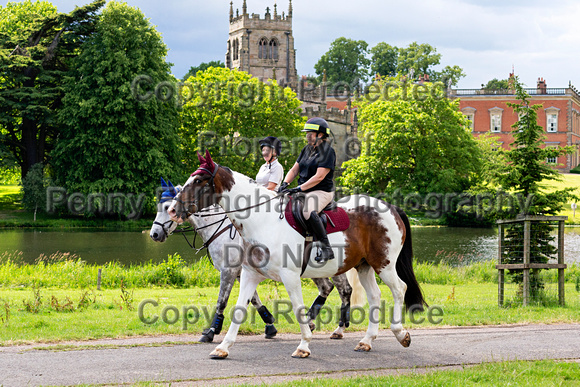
[
  {"x": 217, "y": 233},
  {"x": 377, "y": 241}
]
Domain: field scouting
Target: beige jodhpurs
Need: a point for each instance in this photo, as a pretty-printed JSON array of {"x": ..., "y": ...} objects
[{"x": 316, "y": 201}]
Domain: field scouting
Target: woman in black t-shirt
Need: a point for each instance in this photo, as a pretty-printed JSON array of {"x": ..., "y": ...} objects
[{"x": 315, "y": 168}]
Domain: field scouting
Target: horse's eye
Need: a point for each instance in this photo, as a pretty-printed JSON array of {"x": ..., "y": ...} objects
[{"x": 196, "y": 181}]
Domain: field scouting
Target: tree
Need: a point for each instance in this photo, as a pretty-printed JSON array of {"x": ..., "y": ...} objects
[
  {"x": 202, "y": 67},
  {"x": 36, "y": 45},
  {"x": 416, "y": 140},
  {"x": 497, "y": 84},
  {"x": 34, "y": 189},
  {"x": 417, "y": 57},
  {"x": 112, "y": 139},
  {"x": 229, "y": 111},
  {"x": 384, "y": 58},
  {"x": 522, "y": 174},
  {"x": 450, "y": 75},
  {"x": 345, "y": 61}
]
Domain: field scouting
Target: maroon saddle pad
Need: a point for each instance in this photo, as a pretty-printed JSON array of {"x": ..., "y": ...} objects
[{"x": 337, "y": 219}]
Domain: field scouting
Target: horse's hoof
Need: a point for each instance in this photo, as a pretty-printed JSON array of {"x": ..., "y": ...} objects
[
  {"x": 270, "y": 331},
  {"x": 311, "y": 326},
  {"x": 300, "y": 354},
  {"x": 218, "y": 354},
  {"x": 336, "y": 336},
  {"x": 207, "y": 336},
  {"x": 406, "y": 341},
  {"x": 205, "y": 339},
  {"x": 362, "y": 347}
]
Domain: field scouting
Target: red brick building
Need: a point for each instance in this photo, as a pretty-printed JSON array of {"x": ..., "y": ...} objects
[{"x": 559, "y": 116}]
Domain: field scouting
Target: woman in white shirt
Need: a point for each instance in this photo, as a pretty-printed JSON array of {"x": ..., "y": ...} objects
[{"x": 271, "y": 173}]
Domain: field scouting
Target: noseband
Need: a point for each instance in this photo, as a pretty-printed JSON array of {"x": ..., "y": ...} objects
[{"x": 165, "y": 230}]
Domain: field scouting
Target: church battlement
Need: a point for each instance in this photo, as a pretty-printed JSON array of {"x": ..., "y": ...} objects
[
  {"x": 255, "y": 19},
  {"x": 264, "y": 47}
]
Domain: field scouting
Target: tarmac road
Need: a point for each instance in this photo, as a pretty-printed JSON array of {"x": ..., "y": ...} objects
[{"x": 254, "y": 359}]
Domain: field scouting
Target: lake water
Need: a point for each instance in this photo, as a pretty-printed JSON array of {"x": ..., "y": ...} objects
[{"x": 432, "y": 244}]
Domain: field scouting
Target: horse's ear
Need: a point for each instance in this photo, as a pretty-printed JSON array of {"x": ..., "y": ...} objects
[
  {"x": 163, "y": 184},
  {"x": 172, "y": 189},
  {"x": 200, "y": 158},
  {"x": 208, "y": 158}
]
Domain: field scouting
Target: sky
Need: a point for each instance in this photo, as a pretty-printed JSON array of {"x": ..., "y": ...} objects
[{"x": 485, "y": 38}]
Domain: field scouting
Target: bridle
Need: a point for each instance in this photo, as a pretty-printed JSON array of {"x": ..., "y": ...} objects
[
  {"x": 163, "y": 226},
  {"x": 196, "y": 200}
]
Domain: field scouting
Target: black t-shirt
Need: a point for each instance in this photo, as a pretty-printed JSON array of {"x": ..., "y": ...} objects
[{"x": 311, "y": 159}]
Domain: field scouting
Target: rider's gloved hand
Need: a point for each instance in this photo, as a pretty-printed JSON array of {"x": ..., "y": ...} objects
[
  {"x": 293, "y": 190},
  {"x": 283, "y": 187}
]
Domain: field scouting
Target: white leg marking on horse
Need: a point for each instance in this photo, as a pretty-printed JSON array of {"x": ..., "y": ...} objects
[
  {"x": 369, "y": 282},
  {"x": 248, "y": 283},
  {"x": 293, "y": 286},
  {"x": 338, "y": 333},
  {"x": 398, "y": 288}
]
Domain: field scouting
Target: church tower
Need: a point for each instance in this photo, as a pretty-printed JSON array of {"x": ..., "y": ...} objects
[{"x": 264, "y": 47}]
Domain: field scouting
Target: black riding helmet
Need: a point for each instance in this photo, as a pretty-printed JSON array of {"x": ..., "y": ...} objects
[
  {"x": 273, "y": 143},
  {"x": 318, "y": 125}
]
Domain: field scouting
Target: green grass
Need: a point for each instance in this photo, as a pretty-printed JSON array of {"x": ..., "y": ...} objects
[
  {"x": 568, "y": 181},
  {"x": 62, "y": 270},
  {"x": 35, "y": 316},
  {"x": 511, "y": 373}
]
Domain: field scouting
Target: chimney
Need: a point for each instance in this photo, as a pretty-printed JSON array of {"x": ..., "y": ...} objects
[{"x": 541, "y": 86}]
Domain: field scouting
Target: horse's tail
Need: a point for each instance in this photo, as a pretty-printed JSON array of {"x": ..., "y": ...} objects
[
  {"x": 413, "y": 295},
  {"x": 357, "y": 297}
]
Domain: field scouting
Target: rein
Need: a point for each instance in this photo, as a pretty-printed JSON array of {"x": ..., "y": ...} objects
[
  {"x": 218, "y": 231},
  {"x": 280, "y": 195}
]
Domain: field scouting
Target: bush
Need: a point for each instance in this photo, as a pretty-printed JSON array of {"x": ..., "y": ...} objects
[
  {"x": 9, "y": 176},
  {"x": 169, "y": 272},
  {"x": 575, "y": 170}
]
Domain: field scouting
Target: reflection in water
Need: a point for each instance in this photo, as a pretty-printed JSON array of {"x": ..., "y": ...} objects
[
  {"x": 465, "y": 245},
  {"x": 430, "y": 244},
  {"x": 95, "y": 246},
  {"x": 454, "y": 245}
]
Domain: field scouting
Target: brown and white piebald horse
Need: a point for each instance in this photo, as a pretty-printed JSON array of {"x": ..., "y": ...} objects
[{"x": 377, "y": 241}]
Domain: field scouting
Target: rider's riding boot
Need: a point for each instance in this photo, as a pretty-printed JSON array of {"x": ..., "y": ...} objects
[{"x": 319, "y": 231}]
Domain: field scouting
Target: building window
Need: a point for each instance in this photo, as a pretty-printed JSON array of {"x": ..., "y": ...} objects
[
  {"x": 552, "y": 124},
  {"x": 470, "y": 119},
  {"x": 273, "y": 52},
  {"x": 263, "y": 49},
  {"x": 236, "y": 49},
  {"x": 552, "y": 119},
  {"x": 469, "y": 113},
  {"x": 495, "y": 119},
  {"x": 496, "y": 122},
  {"x": 552, "y": 160}
]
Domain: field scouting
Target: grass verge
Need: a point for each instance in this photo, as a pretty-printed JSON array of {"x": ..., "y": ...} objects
[
  {"x": 53, "y": 315},
  {"x": 511, "y": 373}
]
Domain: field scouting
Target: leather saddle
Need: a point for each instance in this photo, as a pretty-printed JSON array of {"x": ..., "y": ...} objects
[{"x": 334, "y": 218}]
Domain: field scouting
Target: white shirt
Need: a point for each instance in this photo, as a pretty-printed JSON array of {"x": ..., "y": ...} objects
[{"x": 268, "y": 174}]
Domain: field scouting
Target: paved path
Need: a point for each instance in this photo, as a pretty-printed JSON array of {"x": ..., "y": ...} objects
[{"x": 254, "y": 359}]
